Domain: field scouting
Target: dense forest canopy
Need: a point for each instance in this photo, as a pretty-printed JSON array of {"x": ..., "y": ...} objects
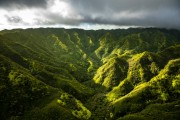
[{"x": 60, "y": 74}]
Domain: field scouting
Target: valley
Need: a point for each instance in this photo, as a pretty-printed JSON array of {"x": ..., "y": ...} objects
[{"x": 69, "y": 74}]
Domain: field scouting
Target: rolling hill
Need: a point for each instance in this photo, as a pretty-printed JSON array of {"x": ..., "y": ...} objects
[{"x": 69, "y": 74}]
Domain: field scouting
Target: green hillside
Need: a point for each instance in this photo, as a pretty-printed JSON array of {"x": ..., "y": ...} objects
[{"x": 69, "y": 74}]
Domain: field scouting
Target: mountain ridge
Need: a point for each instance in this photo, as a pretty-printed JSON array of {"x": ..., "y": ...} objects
[{"x": 51, "y": 73}]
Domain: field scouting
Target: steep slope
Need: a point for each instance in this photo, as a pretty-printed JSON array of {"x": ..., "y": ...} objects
[
  {"x": 84, "y": 74},
  {"x": 21, "y": 92},
  {"x": 160, "y": 89},
  {"x": 111, "y": 73}
]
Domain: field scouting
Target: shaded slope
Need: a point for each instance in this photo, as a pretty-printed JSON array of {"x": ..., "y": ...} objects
[{"x": 161, "y": 88}]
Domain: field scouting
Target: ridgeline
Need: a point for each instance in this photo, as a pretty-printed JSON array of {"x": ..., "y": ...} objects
[{"x": 69, "y": 74}]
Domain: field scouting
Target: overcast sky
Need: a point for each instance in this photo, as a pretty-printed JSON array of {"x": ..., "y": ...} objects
[{"x": 89, "y": 14}]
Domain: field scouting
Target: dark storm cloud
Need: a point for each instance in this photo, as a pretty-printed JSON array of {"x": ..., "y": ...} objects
[
  {"x": 158, "y": 13},
  {"x": 14, "y": 19},
  {"x": 55, "y": 18},
  {"x": 118, "y": 5},
  {"x": 23, "y": 3}
]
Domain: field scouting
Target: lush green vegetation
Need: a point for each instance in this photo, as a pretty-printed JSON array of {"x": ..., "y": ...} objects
[{"x": 59, "y": 74}]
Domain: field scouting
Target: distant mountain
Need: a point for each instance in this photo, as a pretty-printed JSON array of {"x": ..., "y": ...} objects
[{"x": 68, "y": 74}]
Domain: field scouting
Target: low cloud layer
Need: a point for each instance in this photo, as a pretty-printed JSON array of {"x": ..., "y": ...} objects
[
  {"x": 22, "y": 3},
  {"x": 79, "y": 13}
]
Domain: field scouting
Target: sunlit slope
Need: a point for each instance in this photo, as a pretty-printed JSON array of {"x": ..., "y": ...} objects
[{"x": 84, "y": 74}]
